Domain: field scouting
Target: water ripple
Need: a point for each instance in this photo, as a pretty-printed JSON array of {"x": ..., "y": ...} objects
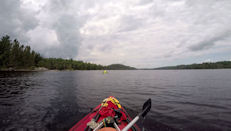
[{"x": 55, "y": 100}]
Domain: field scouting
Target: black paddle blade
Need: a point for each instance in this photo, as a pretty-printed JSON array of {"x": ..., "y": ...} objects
[{"x": 146, "y": 107}]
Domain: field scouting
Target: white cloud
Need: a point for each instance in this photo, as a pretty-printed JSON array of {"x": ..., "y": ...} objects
[
  {"x": 141, "y": 33},
  {"x": 159, "y": 31},
  {"x": 49, "y": 38}
]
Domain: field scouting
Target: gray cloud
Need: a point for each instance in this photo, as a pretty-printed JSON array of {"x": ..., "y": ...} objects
[
  {"x": 129, "y": 23},
  {"x": 18, "y": 21},
  {"x": 209, "y": 42},
  {"x": 143, "y": 2},
  {"x": 68, "y": 34},
  {"x": 65, "y": 22},
  {"x": 15, "y": 20}
]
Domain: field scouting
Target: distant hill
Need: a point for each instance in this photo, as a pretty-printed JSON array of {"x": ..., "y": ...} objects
[
  {"x": 207, "y": 65},
  {"x": 119, "y": 67}
]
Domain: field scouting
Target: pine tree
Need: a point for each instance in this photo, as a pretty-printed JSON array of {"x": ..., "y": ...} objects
[{"x": 5, "y": 46}]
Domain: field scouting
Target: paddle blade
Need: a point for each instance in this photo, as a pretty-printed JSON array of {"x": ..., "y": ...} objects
[{"x": 146, "y": 107}]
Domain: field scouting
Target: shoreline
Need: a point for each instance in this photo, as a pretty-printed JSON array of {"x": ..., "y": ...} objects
[
  {"x": 23, "y": 70},
  {"x": 45, "y": 69}
]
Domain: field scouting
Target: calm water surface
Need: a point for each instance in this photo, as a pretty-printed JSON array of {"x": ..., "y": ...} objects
[{"x": 55, "y": 100}]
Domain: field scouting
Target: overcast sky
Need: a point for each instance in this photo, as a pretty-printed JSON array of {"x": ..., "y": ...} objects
[{"x": 139, "y": 33}]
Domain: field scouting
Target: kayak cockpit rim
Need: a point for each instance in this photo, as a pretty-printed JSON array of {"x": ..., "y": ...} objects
[{"x": 101, "y": 125}]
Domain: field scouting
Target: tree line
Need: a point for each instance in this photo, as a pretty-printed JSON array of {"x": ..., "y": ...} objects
[
  {"x": 64, "y": 64},
  {"x": 17, "y": 56},
  {"x": 206, "y": 65}
]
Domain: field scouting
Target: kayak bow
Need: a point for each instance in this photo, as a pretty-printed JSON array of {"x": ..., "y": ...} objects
[{"x": 110, "y": 116}]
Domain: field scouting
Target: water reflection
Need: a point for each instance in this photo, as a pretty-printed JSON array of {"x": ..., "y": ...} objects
[{"x": 56, "y": 100}]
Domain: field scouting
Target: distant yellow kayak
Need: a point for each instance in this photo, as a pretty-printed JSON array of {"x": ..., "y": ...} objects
[{"x": 104, "y": 72}]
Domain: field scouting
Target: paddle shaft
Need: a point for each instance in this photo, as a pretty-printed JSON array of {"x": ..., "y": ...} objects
[
  {"x": 131, "y": 123},
  {"x": 146, "y": 109}
]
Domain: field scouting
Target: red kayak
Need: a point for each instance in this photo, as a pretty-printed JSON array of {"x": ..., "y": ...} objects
[{"x": 109, "y": 116}]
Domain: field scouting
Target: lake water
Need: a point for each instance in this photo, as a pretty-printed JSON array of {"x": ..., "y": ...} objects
[{"x": 55, "y": 100}]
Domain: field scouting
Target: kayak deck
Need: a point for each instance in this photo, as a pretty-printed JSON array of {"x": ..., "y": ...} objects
[{"x": 110, "y": 107}]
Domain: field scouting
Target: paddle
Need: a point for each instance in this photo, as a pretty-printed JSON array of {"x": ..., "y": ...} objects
[{"x": 146, "y": 108}]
